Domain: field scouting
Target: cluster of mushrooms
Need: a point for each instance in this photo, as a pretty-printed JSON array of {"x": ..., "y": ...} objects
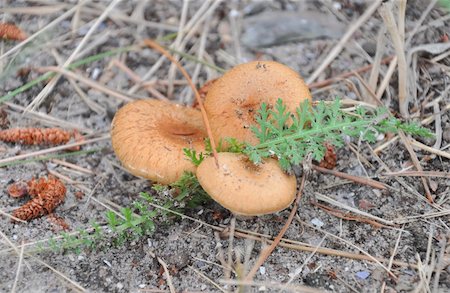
[{"x": 148, "y": 137}]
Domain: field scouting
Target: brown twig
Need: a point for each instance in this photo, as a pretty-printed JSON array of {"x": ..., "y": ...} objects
[
  {"x": 348, "y": 216},
  {"x": 266, "y": 252},
  {"x": 323, "y": 83},
  {"x": 357, "y": 179},
  {"x": 156, "y": 46},
  {"x": 416, "y": 163},
  {"x": 419, "y": 174}
]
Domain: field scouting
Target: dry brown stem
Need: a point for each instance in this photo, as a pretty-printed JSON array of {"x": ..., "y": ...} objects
[
  {"x": 357, "y": 179},
  {"x": 268, "y": 251},
  {"x": 156, "y": 46}
]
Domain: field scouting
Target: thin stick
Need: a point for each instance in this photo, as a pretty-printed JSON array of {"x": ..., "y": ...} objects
[
  {"x": 54, "y": 149},
  {"x": 430, "y": 149},
  {"x": 166, "y": 272},
  {"x": 49, "y": 87},
  {"x": 352, "y": 209},
  {"x": 86, "y": 81},
  {"x": 156, "y": 46},
  {"x": 323, "y": 83},
  {"x": 77, "y": 286},
  {"x": 357, "y": 179},
  {"x": 267, "y": 251},
  {"x": 339, "y": 46},
  {"x": 416, "y": 163},
  {"x": 19, "y": 267},
  {"x": 419, "y": 174},
  {"x": 396, "y": 35}
]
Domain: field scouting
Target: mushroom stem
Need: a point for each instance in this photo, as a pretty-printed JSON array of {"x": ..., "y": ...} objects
[{"x": 157, "y": 47}]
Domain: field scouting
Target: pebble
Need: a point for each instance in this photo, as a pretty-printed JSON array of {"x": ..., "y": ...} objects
[
  {"x": 266, "y": 29},
  {"x": 362, "y": 275},
  {"x": 262, "y": 270},
  {"x": 316, "y": 222}
]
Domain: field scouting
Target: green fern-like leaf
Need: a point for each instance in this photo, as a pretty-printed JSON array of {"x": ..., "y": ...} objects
[{"x": 291, "y": 137}]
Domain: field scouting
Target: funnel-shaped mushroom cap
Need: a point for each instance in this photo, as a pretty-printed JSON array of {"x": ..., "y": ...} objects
[
  {"x": 148, "y": 137},
  {"x": 245, "y": 188},
  {"x": 234, "y": 99}
]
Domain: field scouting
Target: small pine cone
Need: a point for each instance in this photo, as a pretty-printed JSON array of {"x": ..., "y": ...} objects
[
  {"x": 18, "y": 189},
  {"x": 35, "y": 136},
  {"x": 330, "y": 158},
  {"x": 30, "y": 210},
  {"x": 11, "y": 32},
  {"x": 47, "y": 195}
]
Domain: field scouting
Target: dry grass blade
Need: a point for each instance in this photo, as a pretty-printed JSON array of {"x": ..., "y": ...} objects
[
  {"x": 323, "y": 83},
  {"x": 416, "y": 163},
  {"x": 397, "y": 32},
  {"x": 19, "y": 267},
  {"x": 41, "y": 31},
  {"x": 53, "y": 149},
  {"x": 430, "y": 149},
  {"x": 356, "y": 179},
  {"x": 339, "y": 46},
  {"x": 374, "y": 259},
  {"x": 278, "y": 287},
  {"x": 49, "y": 87},
  {"x": 35, "y": 10},
  {"x": 208, "y": 279},
  {"x": 166, "y": 272},
  {"x": 74, "y": 284},
  {"x": 329, "y": 200},
  {"x": 419, "y": 174}
]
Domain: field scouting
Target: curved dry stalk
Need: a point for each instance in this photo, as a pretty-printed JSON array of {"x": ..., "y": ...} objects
[
  {"x": 268, "y": 251},
  {"x": 157, "y": 47}
]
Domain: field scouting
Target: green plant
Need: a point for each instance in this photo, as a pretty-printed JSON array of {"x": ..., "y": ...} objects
[
  {"x": 132, "y": 222},
  {"x": 290, "y": 137}
]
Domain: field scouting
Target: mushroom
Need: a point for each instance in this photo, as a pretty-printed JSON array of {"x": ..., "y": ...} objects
[
  {"x": 148, "y": 137},
  {"x": 245, "y": 188},
  {"x": 234, "y": 99}
]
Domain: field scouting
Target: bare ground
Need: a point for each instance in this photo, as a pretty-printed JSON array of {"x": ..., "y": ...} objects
[{"x": 319, "y": 250}]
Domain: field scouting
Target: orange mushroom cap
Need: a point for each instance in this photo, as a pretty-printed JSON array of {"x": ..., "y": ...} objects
[
  {"x": 148, "y": 137},
  {"x": 234, "y": 99},
  {"x": 245, "y": 188}
]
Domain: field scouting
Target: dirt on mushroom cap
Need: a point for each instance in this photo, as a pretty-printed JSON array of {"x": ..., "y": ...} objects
[
  {"x": 234, "y": 99},
  {"x": 245, "y": 188},
  {"x": 148, "y": 137}
]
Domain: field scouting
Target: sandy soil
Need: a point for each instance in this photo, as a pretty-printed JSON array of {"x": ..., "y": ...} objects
[{"x": 195, "y": 249}]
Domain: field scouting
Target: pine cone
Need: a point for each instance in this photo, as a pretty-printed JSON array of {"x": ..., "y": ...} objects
[
  {"x": 46, "y": 194},
  {"x": 11, "y": 32},
  {"x": 330, "y": 158},
  {"x": 35, "y": 136}
]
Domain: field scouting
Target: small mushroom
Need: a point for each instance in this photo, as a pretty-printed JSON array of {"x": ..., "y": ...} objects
[
  {"x": 234, "y": 99},
  {"x": 148, "y": 137},
  {"x": 245, "y": 188}
]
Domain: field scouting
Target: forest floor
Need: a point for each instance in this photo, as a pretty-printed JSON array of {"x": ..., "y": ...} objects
[{"x": 368, "y": 240}]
